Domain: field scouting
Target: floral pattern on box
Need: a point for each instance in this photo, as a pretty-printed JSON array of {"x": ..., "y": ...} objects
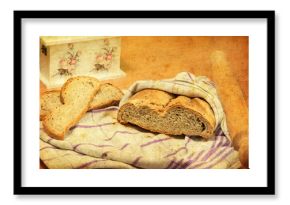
[
  {"x": 68, "y": 63},
  {"x": 104, "y": 59}
]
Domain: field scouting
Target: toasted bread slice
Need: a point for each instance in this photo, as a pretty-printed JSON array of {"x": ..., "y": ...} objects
[
  {"x": 161, "y": 112},
  {"x": 77, "y": 94}
]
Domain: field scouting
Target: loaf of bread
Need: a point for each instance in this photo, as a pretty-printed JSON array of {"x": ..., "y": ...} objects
[
  {"x": 108, "y": 95},
  {"x": 161, "y": 112},
  {"x": 76, "y": 94}
]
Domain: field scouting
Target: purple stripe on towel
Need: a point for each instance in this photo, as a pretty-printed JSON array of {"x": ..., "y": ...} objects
[
  {"x": 189, "y": 76},
  {"x": 175, "y": 152},
  {"x": 228, "y": 143},
  {"x": 135, "y": 162},
  {"x": 218, "y": 131},
  {"x": 210, "y": 83},
  {"x": 212, "y": 148},
  {"x": 177, "y": 164},
  {"x": 92, "y": 126},
  {"x": 209, "y": 153},
  {"x": 95, "y": 145},
  {"x": 189, "y": 162},
  {"x": 121, "y": 132},
  {"x": 124, "y": 146},
  {"x": 88, "y": 164},
  {"x": 155, "y": 141},
  {"x": 222, "y": 158},
  {"x": 170, "y": 164},
  {"x": 204, "y": 162},
  {"x": 222, "y": 142},
  {"x": 218, "y": 139}
]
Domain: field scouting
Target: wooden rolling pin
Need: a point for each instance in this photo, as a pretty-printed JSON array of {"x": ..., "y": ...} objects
[{"x": 234, "y": 104}]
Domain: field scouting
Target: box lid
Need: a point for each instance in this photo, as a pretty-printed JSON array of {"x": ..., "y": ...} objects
[{"x": 55, "y": 40}]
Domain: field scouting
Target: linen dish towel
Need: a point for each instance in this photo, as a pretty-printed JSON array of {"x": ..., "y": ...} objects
[{"x": 99, "y": 141}]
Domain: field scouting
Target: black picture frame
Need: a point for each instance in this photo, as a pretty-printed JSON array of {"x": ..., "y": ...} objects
[{"x": 268, "y": 190}]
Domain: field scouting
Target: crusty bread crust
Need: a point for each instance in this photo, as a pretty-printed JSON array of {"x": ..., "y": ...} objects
[
  {"x": 162, "y": 103},
  {"x": 73, "y": 109}
]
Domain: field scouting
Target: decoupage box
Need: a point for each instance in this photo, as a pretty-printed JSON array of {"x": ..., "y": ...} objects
[{"x": 62, "y": 57}]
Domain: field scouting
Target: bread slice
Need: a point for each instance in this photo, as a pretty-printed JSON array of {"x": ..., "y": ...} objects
[
  {"x": 49, "y": 100},
  {"x": 161, "y": 112},
  {"x": 77, "y": 94},
  {"x": 108, "y": 95}
]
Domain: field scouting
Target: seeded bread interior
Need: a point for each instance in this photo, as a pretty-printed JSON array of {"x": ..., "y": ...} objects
[{"x": 162, "y": 112}]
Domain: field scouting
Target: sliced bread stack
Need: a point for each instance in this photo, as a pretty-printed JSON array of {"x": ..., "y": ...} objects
[{"x": 61, "y": 110}]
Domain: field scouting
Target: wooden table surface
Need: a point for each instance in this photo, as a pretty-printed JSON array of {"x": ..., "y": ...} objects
[{"x": 222, "y": 59}]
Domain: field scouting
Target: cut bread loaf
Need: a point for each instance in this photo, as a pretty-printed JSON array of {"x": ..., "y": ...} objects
[
  {"x": 161, "y": 112},
  {"x": 77, "y": 94},
  {"x": 108, "y": 95}
]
